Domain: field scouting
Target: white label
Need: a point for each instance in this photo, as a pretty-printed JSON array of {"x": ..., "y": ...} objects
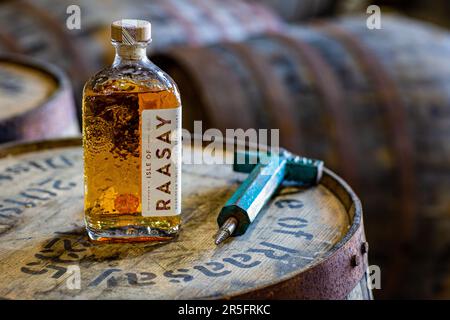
[{"x": 161, "y": 162}]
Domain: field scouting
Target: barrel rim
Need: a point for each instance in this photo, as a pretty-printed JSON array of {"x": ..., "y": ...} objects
[
  {"x": 62, "y": 81},
  {"x": 300, "y": 285},
  {"x": 345, "y": 249}
]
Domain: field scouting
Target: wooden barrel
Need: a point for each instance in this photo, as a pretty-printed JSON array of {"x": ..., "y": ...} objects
[
  {"x": 307, "y": 243},
  {"x": 434, "y": 11},
  {"x": 36, "y": 101},
  {"x": 31, "y": 30},
  {"x": 39, "y": 28},
  {"x": 296, "y": 10},
  {"x": 373, "y": 104}
]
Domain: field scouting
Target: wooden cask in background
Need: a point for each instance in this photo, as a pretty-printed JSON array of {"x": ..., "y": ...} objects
[
  {"x": 374, "y": 104},
  {"x": 434, "y": 11},
  {"x": 307, "y": 243},
  {"x": 297, "y": 10},
  {"x": 36, "y": 101},
  {"x": 39, "y": 28}
]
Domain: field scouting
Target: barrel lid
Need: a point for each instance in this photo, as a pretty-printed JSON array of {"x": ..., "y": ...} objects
[
  {"x": 26, "y": 84},
  {"x": 305, "y": 244}
]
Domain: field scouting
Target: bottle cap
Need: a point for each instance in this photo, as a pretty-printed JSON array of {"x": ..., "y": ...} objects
[{"x": 131, "y": 31}]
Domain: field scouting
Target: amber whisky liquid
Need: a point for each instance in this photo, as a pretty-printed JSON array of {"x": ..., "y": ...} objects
[{"x": 112, "y": 162}]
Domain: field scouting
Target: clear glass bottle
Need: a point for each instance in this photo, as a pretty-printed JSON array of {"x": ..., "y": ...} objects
[{"x": 132, "y": 144}]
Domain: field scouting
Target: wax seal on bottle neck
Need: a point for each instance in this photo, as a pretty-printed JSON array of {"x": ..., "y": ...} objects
[{"x": 131, "y": 31}]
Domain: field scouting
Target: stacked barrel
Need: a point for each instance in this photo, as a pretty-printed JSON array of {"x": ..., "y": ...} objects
[
  {"x": 48, "y": 30},
  {"x": 373, "y": 104}
]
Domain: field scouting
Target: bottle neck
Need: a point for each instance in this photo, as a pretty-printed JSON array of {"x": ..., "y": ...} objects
[{"x": 130, "y": 53}]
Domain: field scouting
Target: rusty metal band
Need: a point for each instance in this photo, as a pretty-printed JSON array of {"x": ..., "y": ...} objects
[
  {"x": 10, "y": 44},
  {"x": 341, "y": 270},
  {"x": 54, "y": 27},
  {"x": 332, "y": 95},
  {"x": 254, "y": 110},
  {"x": 365, "y": 292},
  {"x": 230, "y": 115},
  {"x": 280, "y": 107},
  {"x": 390, "y": 100},
  {"x": 214, "y": 85}
]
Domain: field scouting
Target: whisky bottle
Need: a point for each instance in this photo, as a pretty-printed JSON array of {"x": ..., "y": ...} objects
[{"x": 131, "y": 144}]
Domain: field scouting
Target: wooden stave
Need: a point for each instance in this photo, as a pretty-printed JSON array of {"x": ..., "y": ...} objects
[
  {"x": 370, "y": 133},
  {"x": 276, "y": 102},
  {"x": 54, "y": 45},
  {"x": 212, "y": 110},
  {"x": 297, "y": 10},
  {"x": 326, "y": 100},
  {"x": 54, "y": 118},
  {"x": 188, "y": 58},
  {"x": 342, "y": 279},
  {"x": 401, "y": 149},
  {"x": 57, "y": 42},
  {"x": 212, "y": 99},
  {"x": 423, "y": 164},
  {"x": 264, "y": 113},
  {"x": 209, "y": 108},
  {"x": 378, "y": 170}
]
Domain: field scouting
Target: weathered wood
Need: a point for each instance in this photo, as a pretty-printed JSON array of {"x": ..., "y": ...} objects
[
  {"x": 433, "y": 11},
  {"x": 36, "y": 101},
  {"x": 300, "y": 246},
  {"x": 296, "y": 10},
  {"x": 39, "y": 28},
  {"x": 373, "y": 104}
]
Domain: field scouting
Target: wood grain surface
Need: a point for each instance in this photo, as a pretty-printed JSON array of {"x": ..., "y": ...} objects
[
  {"x": 36, "y": 101},
  {"x": 23, "y": 88},
  {"x": 42, "y": 235}
]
